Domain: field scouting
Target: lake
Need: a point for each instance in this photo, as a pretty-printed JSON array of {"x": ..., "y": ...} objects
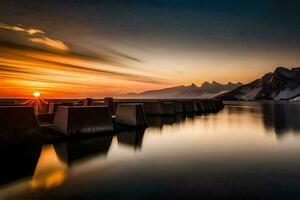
[{"x": 248, "y": 150}]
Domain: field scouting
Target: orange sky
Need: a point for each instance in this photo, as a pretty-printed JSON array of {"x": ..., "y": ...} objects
[
  {"x": 57, "y": 71},
  {"x": 34, "y": 61}
]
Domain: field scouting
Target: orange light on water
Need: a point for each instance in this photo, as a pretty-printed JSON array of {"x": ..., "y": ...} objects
[
  {"x": 36, "y": 94},
  {"x": 50, "y": 171}
]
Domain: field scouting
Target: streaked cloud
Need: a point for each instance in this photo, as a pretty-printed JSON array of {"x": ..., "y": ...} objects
[
  {"x": 20, "y": 28},
  {"x": 56, "y": 44},
  {"x": 36, "y": 36},
  {"x": 24, "y": 69},
  {"x": 36, "y": 61}
]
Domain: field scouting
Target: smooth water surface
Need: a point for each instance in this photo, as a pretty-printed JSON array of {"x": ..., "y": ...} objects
[{"x": 247, "y": 150}]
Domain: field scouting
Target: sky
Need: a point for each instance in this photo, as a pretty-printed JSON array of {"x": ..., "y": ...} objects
[{"x": 98, "y": 48}]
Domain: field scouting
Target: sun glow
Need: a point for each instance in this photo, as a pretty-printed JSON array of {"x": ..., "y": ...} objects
[{"x": 36, "y": 94}]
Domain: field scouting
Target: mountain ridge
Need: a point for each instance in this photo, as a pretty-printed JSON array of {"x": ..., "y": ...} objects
[{"x": 206, "y": 90}]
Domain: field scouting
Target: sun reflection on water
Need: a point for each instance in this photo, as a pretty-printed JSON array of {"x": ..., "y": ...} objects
[{"x": 50, "y": 171}]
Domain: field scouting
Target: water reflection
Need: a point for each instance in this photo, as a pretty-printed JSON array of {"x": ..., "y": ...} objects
[
  {"x": 132, "y": 138},
  {"x": 233, "y": 153},
  {"x": 18, "y": 162},
  {"x": 283, "y": 117},
  {"x": 77, "y": 150},
  {"x": 160, "y": 121},
  {"x": 50, "y": 171},
  {"x": 41, "y": 168}
]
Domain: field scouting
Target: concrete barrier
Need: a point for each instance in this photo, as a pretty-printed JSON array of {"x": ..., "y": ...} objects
[
  {"x": 19, "y": 125},
  {"x": 53, "y": 106},
  {"x": 168, "y": 108},
  {"x": 200, "y": 106},
  {"x": 131, "y": 114},
  {"x": 220, "y": 104},
  {"x": 88, "y": 102},
  {"x": 179, "y": 106},
  {"x": 46, "y": 118},
  {"x": 188, "y": 106},
  {"x": 191, "y": 106},
  {"x": 83, "y": 120},
  {"x": 8, "y": 103},
  {"x": 206, "y": 107},
  {"x": 214, "y": 106},
  {"x": 155, "y": 120},
  {"x": 109, "y": 101},
  {"x": 210, "y": 105},
  {"x": 79, "y": 103},
  {"x": 210, "y": 109},
  {"x": 153, "y": 108},
  {"x": 98, "y": 103},
  {"x": 195, "y": 107}
]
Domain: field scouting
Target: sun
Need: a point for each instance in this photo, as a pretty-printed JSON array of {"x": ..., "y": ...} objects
[{"x": 36, "y": 94}]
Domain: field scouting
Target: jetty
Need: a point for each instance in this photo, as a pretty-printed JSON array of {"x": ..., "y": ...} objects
[{"x": 23, "y": 123}]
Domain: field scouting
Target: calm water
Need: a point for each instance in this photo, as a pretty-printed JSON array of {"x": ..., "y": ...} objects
[{"x": 247, "y": 150}]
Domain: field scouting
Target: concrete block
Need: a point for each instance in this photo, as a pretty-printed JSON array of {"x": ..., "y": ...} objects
[
  {"x": 195, "y": 107},
  {"x": 200, "y": 105},
  {"x": 190, "y": 107},
  {"x": 8, "y": 103},
  {"x": 206, "y": 108},
  {"x": 98, "y": 103},
  {"x": 131, "y": 114},
  {"x": 220, "y": 104},
  {"x": 210, "y": 106},
  {"x": 153, "y": 108},
  {"x": 179, "y": 106},
  {"x": 88, "y": 102},
  {"x": 168, "y": 108},
  {"x": 109, "y": 101},
  {"x": 155, "y": 120},
  {"x": 19, "y": 125},
  {"x": 214, "y": 107},
  {"x": 46, "y": 118},
  {"x": 53, "y": 106},
  {"x": 83, "y": 120},
  {"x": 79, "y": 103}
]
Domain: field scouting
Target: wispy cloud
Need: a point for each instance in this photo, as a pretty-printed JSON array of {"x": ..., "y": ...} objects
[
  {"x": 56, "y": 44},
  {"x": 24, "y": 68},
  {"x": 50, "y": 65},
  {"x": 20, "y": 28},
  {"x": 36, "y": 36}
]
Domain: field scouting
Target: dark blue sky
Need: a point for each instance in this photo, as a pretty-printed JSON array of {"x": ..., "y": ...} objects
[{"x": 189, "y": 22}]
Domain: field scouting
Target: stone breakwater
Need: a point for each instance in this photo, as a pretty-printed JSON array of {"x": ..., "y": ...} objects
[{"x": 80, "y": 117}]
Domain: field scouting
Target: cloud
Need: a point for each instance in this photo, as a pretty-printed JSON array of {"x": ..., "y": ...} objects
[
  {"x": 37, "y": 36},
  {"x": 20, "y": 28},
  {"x": 24, "y": 68},
  {"x": 56, "y": 44}
]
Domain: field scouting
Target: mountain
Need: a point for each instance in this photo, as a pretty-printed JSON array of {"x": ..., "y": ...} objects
[
  {"x": 281, "y": 84},
  {"x": 206, "y": 90}
]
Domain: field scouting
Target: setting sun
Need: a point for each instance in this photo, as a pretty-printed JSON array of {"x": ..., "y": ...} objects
[{"x": 36, "y": 94}]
